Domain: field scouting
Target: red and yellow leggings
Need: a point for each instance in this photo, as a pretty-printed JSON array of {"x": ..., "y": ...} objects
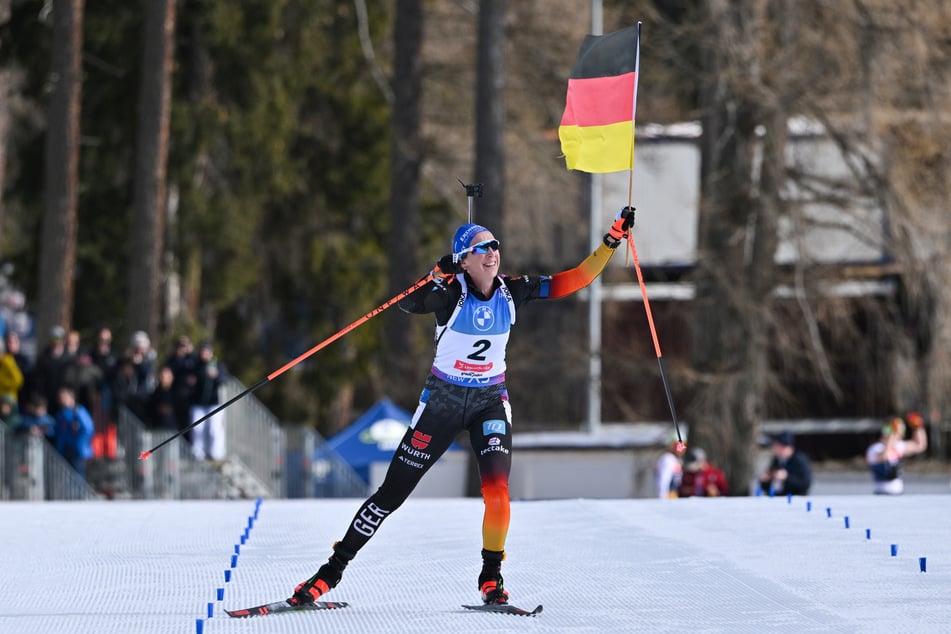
[{"x": 444, "y": 411}]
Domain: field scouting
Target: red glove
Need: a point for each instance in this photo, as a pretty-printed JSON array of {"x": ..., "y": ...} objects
[{"x": 915, "y": 420}]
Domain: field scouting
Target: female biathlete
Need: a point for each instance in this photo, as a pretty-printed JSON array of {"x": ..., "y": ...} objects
[{"x": 475, "y": 309}]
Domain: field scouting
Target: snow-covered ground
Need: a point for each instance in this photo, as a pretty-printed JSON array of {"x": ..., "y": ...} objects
[{"x": 755, "y": 564}]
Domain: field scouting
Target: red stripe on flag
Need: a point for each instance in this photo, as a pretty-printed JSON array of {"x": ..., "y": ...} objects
[{"x": 599, "y": 101}]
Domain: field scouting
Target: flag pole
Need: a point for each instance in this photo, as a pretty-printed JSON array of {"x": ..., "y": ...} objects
[{"x": 637, "y": 76}]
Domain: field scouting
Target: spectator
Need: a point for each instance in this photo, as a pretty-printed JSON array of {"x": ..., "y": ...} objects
[
  {"x": 668, "y": 470},
  {"x": 161, "y": 409},
  {"x": 143, "y": 355},
  {"x": 108, "y": 363},
  {"x": 884, "y": 457},
  {"x": 11, "y": 342},
  {"x": 208, "y": 438},
  {"x": 72, "y": 345},
  {"x": 700, "y": 477},
  {"x": 74, "y": 431},
  {"x": 84, "y": 377},
  {"x": 35, "y": 420},
  {"x": 9, "y": 412},
  {"x": 789, "y": 470},
  {"x": 130, "y": 391},
  {"x": 11, "y": 378},
  {"x": 182, "y": 363},
  {"x": 47, "y": 376}
]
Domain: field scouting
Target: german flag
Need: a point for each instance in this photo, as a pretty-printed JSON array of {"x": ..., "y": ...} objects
[{"x": 597, "y": 128}]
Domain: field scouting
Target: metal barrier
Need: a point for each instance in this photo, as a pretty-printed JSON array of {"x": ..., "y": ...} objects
[
  {"x": 291, "y": 462},
  {"x": 133, "y": 438},
  {"x": 171, "y": 473},
  {"x": 254, "y": 435},
  {"x": 32, "y": 470},
  {"x": 4, "y": 466},
  {"x": 333, "y": 477},
  {"x": 315, "y": 470}
]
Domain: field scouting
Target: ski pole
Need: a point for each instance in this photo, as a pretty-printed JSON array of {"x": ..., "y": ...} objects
[
  {"x": 287, "y": 366},
  {"x": 650, "y": 321}
]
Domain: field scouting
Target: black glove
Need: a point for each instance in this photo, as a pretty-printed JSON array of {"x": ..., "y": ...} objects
[
  {"x": 619, "y": 230},
  {"x": 446, "y": 268},
  {"x": 627, "y": 215}
]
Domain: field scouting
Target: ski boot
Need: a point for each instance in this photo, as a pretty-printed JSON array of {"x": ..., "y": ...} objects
[
  {"x": 326, "y": 578},
  {"x": 490, "y": 579}
]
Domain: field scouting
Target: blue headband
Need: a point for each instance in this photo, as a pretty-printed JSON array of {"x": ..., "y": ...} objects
[{"x": 464, "y": 235}]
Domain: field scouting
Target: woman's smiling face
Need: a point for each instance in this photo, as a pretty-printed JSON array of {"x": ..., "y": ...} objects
[{"x": 485, "y": 264}]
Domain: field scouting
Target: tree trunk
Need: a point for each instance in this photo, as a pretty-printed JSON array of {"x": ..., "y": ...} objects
[
  {"x": 490, "y": 116},
  {"x": 148, "y": 225},
  {"x": 5, "y": 94},
  {"x": 199, "y": 70},
  {"x": 737, "y": 239},
  {"x": 404, "y": 195},
  {"x": 61, "y": 187}
]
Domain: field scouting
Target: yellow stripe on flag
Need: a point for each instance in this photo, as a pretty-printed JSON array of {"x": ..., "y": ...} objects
[{"x": 598, "y": 149}]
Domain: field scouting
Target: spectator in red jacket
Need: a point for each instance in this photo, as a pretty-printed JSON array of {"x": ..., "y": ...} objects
[{"x": 700, "y": 477}]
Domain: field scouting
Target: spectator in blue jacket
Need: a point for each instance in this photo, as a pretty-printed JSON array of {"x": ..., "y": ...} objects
[
  {"x": 74, "y": 431},
  {"x": 35, "y": 420},
  {"x": 789, "y": 470}
]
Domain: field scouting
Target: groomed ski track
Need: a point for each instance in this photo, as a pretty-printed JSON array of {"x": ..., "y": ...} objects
[{"x": 755, "y": 564}]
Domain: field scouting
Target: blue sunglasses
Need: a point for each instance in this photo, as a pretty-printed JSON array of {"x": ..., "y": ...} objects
[
  {"x": 483, "y": 247},
  {"x": 479, "y": 249}
]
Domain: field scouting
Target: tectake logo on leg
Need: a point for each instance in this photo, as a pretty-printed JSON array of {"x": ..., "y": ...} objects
[
  {"x": 420, "y": 440},
  {"x": 490, "y": 427}
]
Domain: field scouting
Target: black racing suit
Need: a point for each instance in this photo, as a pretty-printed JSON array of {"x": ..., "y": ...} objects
[{"x": 445, "y": 410}]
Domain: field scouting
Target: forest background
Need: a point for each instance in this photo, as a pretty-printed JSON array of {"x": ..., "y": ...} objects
[{"x": 263, "y": 173}]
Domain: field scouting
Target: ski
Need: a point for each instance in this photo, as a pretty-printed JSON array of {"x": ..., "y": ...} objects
[
  {"x": 284, "y": 606},
  {"x": 504, "y": 608}
]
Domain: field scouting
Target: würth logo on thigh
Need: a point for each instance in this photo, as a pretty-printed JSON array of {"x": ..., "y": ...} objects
[{"x": 420, "y": 440}]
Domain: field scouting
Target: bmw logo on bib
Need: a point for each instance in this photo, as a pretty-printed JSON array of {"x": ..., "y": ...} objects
[{"x": 482, "y": 318}]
